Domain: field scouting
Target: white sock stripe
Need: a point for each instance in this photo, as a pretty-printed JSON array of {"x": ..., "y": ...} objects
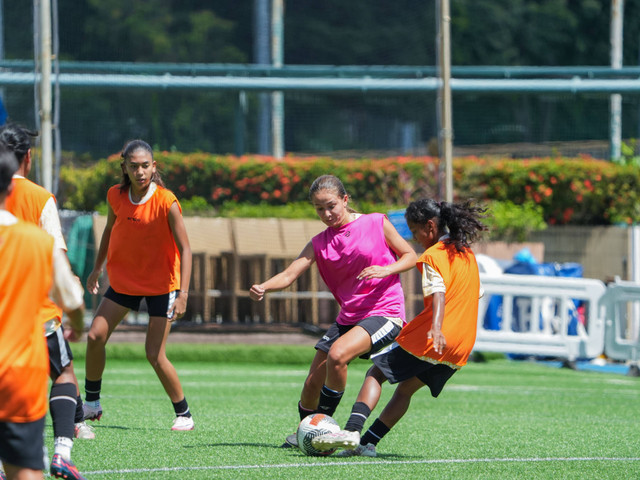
[
  {"x": 91, "y": 391},
  {"x": 329, "y": 391},
  {"x": 374, "y": 434},
  {"x": 182, "y": 413},
  {"x": 360, "y": 415},
  {"x": 64, "y": 397}
]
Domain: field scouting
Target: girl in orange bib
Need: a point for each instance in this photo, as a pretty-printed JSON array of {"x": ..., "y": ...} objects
[
  {"x": 148, "y": 256},
  {"x": 436, "y": 343}
]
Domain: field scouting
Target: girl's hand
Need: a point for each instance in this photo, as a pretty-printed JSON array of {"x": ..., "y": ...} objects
[
  {"x": 256, "y": 292},
  {"x": 374, "y": 271},
  {"x": 439, "y": 342},
  {"x": 179, "y": 307},
  {"x": 92, "y": 281}
]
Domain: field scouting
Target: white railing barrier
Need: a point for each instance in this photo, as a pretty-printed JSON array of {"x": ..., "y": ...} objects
[
  {"x": 622, "y": 304},
  {"x": 511, "y": 302}
]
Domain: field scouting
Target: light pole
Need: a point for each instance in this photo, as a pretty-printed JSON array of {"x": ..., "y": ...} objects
[{"x": 445, "y": 133}]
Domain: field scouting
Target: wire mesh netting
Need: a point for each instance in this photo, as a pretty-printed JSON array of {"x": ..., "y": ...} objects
[{"x": 95, "y": 122}]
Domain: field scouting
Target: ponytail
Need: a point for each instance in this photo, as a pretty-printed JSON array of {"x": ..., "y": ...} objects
[{"x": 461, "y": 221}]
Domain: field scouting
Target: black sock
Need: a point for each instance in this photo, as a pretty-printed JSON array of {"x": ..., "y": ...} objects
[
  {"x": 62, "y": 405},
  {"x": 329, "y": 400},
  {"x": 375, "y": 433},
  {"x": 304, "y": 413},
  {"x": 359, "y": 414},
  {"x": 181, "y": 408},
  {"x": 79, "y": 412},
  {"x": 92, "y": 390}
]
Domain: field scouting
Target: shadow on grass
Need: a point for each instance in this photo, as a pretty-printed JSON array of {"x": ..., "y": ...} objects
[
  {"x": 297, "y": 453},
  {"x": 113, "y": 427}
]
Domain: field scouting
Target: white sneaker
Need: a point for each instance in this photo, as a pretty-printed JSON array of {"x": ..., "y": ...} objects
[
  {"x": 84, "y": 431},
  {"x": 183, "y": 424},
  {"x": 368, "y": 450},
  {"x": 340, "y": 439},
  {"x": 92, "y": 410}
]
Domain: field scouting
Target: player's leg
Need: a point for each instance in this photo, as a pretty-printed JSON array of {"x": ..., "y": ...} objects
[
  {"x": 64, "y": 393},
  {"x": 313, "y": 384},
  {"x": 435, "y": 376},
  {"x": 351, "y": 344},
  {"x": 22, "y": 449},
  {"x": 155, "y": 348},
  {"x": 368, "y": 336},
  {"x": 310, "y": 392},
  {"x": 108, "y": 315},
  {"x": 365, "y": 402}
]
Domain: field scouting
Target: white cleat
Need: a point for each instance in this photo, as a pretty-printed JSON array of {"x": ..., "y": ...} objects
[
  {"x": 341, "y": 439},
  {"x": 83, "y": 431},
  {"x": 368, "y": 450},
  {"x": 181, "y": 424}
]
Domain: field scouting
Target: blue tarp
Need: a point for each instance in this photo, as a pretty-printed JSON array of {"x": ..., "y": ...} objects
[{"x": 493, "y": 316}]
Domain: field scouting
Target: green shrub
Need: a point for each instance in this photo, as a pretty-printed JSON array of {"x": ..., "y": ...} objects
[{"x": 513, "y": 223}]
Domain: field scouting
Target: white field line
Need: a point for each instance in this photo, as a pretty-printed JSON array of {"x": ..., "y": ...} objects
[{"x": 368, "y": 462}]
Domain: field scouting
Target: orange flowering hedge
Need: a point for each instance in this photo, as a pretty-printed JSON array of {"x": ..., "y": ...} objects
[{"x": 579, "y": 191}]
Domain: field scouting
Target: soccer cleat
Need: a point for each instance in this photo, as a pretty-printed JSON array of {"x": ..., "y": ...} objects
[
  {"x": 61, "y": 468},
  {"x": 340, "y": 439},
  {"x": 368, "y": 450},
  {"x": 290, "y": 442},
  {"x": 2, "y": 475},
  {"x": 92, "y": 412},
  {"x": 182, "y": 424},
  {"x": 83, "y": 431}
]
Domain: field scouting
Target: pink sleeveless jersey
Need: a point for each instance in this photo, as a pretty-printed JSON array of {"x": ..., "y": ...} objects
[{"x": 342, "y": 253}]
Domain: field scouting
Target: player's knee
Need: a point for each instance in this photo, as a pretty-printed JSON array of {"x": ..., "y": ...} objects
[
  {"x": 339, "y": 357},
  {"x": 154, "y": 357},
  {"x": 96, "y": 337}
]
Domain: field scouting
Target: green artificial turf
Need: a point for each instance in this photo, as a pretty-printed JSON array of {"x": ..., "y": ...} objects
[{"x": 500, "y": 419}]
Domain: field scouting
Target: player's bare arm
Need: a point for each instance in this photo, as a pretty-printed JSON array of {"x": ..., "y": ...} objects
[{"x": 285, "y": 278}]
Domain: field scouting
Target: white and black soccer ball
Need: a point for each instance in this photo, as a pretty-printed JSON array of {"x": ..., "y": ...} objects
[{"x": 312, "y": 426}]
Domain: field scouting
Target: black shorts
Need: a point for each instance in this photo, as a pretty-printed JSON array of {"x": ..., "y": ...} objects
[
  {"x": 398, "y": 365},
  {"x": 60, "y": 355},
  {"x": 157, "y": 305},
  {"x": 381, "y": 330},
  {"x": 22, "y": 444}
]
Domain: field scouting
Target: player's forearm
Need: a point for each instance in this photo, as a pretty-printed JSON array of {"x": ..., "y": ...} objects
[{"x": 185, "y": 268}]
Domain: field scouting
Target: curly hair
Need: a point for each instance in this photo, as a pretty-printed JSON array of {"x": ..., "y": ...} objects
[{"x": 461, "y": 220}]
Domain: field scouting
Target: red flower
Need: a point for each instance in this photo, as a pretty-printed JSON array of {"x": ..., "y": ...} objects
[{"x": 566, "y": 216}]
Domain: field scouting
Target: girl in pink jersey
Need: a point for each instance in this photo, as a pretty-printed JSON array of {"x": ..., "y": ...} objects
[
  {"x": 148, "y": 256},
  {"x": 359, "y": 258},
  {"x": 435, "y": 344}
]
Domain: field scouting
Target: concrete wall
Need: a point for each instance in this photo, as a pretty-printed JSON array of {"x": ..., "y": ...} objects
[{"x": 602, "y": 251}]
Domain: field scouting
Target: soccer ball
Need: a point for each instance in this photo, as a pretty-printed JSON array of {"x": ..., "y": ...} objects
[{"x": 311, "y": 427}]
